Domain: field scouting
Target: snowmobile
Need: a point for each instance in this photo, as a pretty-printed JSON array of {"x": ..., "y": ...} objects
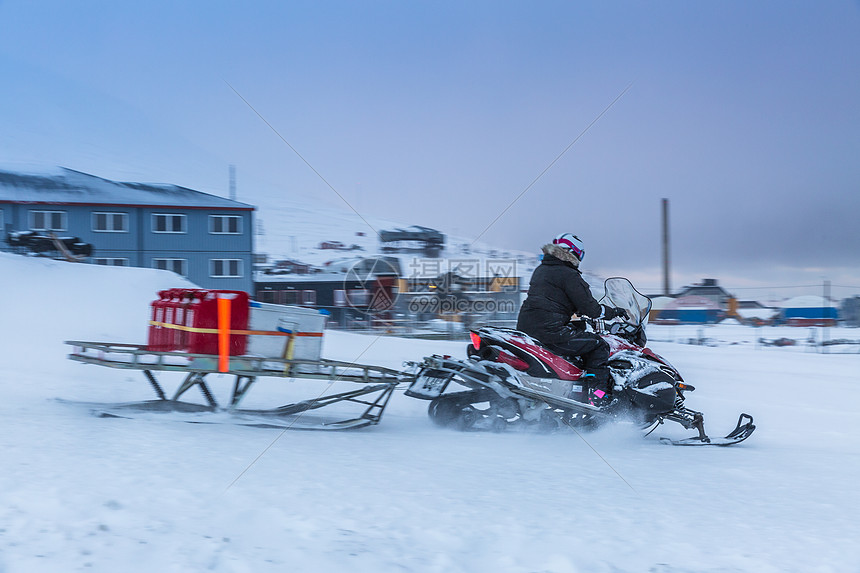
[{"x": 511, "y": 379}]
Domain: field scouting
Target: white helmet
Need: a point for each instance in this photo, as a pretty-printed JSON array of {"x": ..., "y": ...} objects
[{"x": 572, "y": 243}]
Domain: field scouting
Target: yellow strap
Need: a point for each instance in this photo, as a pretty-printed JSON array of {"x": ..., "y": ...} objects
[
  {"x": 289, "y": 352},
  {"x": 246, "y": 332}
]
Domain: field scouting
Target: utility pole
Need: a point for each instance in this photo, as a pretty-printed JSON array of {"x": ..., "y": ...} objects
[
  {"x": 825, "y": 311},
  {"x": 232, "y": 182},
  {"x": 666, "y": 286}
]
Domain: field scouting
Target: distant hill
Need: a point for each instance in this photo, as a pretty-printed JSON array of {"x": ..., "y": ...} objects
[{"x": 295, "y": 231}]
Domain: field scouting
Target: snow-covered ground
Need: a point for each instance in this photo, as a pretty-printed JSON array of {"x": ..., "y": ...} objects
[
  {"x": 834, "y": 340},
  {"x": 81, "y": 493}
]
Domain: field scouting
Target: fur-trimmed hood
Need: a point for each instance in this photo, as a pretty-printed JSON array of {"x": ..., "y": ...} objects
[{"x": 560, "y": 253}]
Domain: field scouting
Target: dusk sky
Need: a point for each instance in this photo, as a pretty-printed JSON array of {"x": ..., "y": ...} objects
[{"x": 745, "y": 115}]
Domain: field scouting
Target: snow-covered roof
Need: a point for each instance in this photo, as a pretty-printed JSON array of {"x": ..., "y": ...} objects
[
  {"x": 692, "y": 303},
  {"x": 807, "y": 301},
  {"x": 73, "y": 187},
  {"x": 704, "y": 290},
  {"x": 762, "y": 313},
  {"x": 262, "y": 277},
  {"x": 420, "y": 267},
  {"x": 660, "y": 302}
]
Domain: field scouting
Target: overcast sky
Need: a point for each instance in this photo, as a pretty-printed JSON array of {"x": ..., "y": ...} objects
[{"x": 745, "y": 115}]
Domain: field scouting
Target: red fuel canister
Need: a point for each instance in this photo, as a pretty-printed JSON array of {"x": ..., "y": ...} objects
[
  {"x": 170, "y": 319},
  {"x": 182, "y": 318},
  {"x": 203, "y": 332},
  {"x": 157, "y": 318}
]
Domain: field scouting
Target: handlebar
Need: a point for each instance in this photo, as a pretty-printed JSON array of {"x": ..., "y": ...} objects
[{"x": 613, "y": 326}]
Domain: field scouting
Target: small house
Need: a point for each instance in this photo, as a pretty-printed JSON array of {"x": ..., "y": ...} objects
[{"x": 809, "y": 310}]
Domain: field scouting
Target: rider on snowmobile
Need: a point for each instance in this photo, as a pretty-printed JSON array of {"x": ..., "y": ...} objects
[{"x": 556, "y": 292}]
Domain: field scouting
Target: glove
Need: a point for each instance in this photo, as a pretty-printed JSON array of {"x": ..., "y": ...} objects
[{"x": 616, "y": 312}]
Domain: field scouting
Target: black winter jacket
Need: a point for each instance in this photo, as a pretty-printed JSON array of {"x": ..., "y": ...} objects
[{"x": 556, "y": 291}]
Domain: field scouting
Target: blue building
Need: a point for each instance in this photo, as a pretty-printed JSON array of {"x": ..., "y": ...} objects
[
  {"x": 809, "y": 310},
  {"x": 206, "y": 238},
  {"x": 692, "y": 309}
]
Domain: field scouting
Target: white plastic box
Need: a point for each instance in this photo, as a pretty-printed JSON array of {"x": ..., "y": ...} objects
[{"x": 306, "y": 326}]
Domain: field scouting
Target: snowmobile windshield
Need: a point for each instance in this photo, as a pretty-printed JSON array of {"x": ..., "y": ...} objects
[{"x": 621, "y": 293}]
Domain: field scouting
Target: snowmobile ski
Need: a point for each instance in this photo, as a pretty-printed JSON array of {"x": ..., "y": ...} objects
[{"x": 742, "y": 431}]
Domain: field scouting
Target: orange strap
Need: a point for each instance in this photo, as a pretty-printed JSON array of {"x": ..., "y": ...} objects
[{"x": 224, "y": 334}]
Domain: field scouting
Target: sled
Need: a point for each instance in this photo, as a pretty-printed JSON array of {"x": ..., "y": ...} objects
[{"x": 371, "y": 387}]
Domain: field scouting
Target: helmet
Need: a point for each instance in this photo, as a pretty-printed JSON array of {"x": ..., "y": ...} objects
[{"x": 572, "y": 243}]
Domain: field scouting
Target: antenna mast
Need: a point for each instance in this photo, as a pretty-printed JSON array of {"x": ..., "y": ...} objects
[{"x": 666, "y": 286}]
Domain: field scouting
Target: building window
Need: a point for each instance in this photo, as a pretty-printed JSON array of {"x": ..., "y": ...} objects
[
  {"x": 309, "y": 297},
  {"x": 221, "y": 268},
  {"x": 266, "y": 296},
  {"x": 110, "y": 222},
  {"x": 339, "y": 297},
  {"x": 225, "y": 224},
  {"x": 359, "y": 297},
  {"x": 111, "y": 261},
  {"x": 48, "y": 220},
  {"x": 168, "y": 223},
  {"x": 290, "y": 297},
  {"x": 178, "y": 266}
]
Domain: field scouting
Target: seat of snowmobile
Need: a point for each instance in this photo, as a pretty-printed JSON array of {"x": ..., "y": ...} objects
[{"x": 537, "y": 366}]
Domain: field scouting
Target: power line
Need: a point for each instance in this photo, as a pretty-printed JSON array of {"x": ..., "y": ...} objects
[
  {"x": 729, "y": 288},
  {"x": 818, "y": 286}
]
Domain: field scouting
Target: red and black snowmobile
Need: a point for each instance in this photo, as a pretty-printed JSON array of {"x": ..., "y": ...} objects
[{"x": 510, "y": 378}]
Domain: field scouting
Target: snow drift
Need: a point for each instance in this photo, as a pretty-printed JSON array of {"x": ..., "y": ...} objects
[{"x": 84, "y": 493}]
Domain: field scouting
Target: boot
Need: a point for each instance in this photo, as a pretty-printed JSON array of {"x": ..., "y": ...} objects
[
  {"x": 599, "y": 391},
  {"x": 599, "y": 398}
]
